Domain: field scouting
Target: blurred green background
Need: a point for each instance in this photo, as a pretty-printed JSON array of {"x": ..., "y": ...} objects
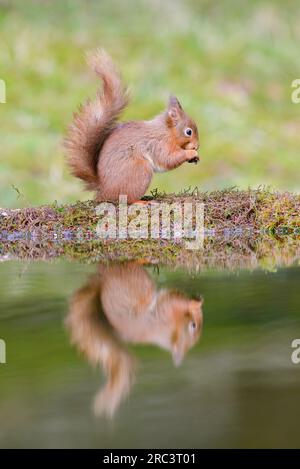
[{"x": 230, "y": 63}]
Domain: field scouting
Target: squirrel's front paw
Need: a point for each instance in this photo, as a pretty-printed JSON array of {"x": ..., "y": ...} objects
[{"x": 192, "y": 156}]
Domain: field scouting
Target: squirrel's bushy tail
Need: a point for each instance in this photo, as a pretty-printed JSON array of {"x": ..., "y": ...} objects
[{"x": 95, "y": 119}]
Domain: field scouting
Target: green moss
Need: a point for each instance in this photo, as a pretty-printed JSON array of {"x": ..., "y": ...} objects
[{"x": 251, "y": 228}]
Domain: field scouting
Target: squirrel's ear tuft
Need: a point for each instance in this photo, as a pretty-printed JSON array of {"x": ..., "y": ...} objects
[
  {"x": 174, "y": 109},
  {"x": 173, "y": 102}
]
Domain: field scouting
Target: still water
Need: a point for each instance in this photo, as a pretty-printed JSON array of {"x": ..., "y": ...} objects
[{"x": 128, "y": 355}]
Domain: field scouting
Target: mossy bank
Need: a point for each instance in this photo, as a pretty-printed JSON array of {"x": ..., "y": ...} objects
[{"x": 242, "y": 229}]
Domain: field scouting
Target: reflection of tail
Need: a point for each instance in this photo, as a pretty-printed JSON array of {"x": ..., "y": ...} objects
[
  {"x": 95, "y": 338},
  {"x": 120, "y": 372}
]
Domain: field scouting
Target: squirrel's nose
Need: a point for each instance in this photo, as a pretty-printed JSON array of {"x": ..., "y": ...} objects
[{"x": 192, "y": 146}]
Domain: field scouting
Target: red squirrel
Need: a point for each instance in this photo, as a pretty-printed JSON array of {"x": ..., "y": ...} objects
[
  {"x": 102, "y": 324},
  {"x": 115, "y": 158}
]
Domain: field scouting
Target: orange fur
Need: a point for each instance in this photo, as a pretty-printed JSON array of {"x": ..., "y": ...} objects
[
  {"x": 101, "y": 322},
  {"x": 120, "y": 159}
]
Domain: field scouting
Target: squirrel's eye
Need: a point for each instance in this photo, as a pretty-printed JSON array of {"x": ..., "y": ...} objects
[
  {"x": 188, "y": 132},
  {"x": 192, "y": 327}
]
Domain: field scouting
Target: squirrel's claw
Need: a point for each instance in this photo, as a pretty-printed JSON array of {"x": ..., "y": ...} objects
[{"x": 194, "y": 160}]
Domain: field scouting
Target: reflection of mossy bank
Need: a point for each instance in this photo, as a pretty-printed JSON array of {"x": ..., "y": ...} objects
[{"x": 242, "y": 229}]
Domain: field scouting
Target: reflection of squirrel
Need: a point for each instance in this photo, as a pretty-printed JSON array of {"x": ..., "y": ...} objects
[
  {"x": 119, "y": 158},
  {"x": 101, "y": 322}
]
